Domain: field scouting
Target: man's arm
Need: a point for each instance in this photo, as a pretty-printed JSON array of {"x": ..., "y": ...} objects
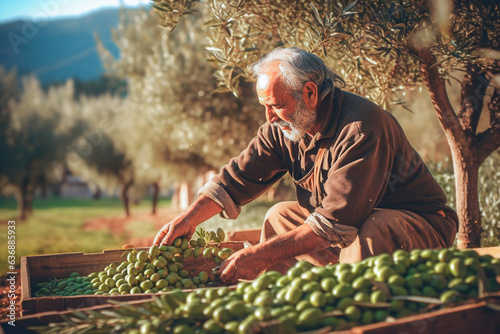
[
  {"x": 185, "y": 224},
  {"x": 248, "y": 263},
  {"x": 250, "y": 174}
]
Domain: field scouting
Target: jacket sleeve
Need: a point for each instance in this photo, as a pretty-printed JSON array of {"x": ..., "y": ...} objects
[
  {"x": 356, "y": 183},
  {"x": 246, "y": 177}
]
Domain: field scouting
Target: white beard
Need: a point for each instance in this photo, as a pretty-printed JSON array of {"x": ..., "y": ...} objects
[{"x": 303, "y": 119}]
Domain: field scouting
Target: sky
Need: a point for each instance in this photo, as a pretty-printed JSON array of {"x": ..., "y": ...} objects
[{"x": 48, "y": 9}]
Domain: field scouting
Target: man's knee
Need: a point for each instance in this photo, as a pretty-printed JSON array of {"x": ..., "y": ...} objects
[
  {"x": 394, "y": 229},
  {"x": 276, "y": 212},
  {"x": 376, "y": 226}
]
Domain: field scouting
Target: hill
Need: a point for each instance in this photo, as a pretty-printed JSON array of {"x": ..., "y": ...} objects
[{"x": 59, "y": 49}]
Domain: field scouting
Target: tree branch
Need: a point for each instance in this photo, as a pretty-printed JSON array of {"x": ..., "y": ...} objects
[
  {"x": 474, "y": 87},
  {"x": 437, "y": 90}
]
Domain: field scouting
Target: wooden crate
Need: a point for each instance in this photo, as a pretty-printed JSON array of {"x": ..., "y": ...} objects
[
  {"x": 493, "y": 251},
  {"x": 41, "y": 268},
  {"x": 252, "y": 235}
]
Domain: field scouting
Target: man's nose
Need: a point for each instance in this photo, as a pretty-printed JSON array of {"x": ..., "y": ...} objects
[{"x": 271, "y": 115}]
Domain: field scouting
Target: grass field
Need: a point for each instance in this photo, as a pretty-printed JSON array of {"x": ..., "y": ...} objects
[{"x": 56, "y": 225}]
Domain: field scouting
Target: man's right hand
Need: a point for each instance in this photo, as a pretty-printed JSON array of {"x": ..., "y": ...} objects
[
  {"x": 176, "y": 228},
  {"x": 185, "y": 224}
]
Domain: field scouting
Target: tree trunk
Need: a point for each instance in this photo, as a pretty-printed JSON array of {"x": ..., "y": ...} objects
[
  {"x": 55, "y": 189},
  {"x": 24, "y": 199},
  {"x": 156, "y": 193},
  {"x": 466, "y": 147},
  {"x": 183, "y": 195},
  {"x": 125, "y": 198},
  {"x": 175, "y": 197},
  {"x": 467, "y": 199},
  {"x": 97, "y": 193},
  {"x": 29, "y": 201},
  {"x": 44, "y": 190}
]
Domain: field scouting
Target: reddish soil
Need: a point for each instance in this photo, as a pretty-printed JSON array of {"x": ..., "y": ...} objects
[
  {"x": 4, "y": 297},
  {"x": 117, "y": 224}
]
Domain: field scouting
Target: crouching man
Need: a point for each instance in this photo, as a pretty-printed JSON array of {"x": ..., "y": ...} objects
[{"x": 361, "y": 188}]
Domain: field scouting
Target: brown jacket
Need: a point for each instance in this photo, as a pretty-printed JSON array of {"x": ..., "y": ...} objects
[{"x": 367, "y": 163}]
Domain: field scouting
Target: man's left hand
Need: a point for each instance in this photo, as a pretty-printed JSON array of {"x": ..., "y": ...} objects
[{"x": 244, "y": 264}]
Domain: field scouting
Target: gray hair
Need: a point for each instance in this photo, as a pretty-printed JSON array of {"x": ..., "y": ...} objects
[{"x": 298, "y": 67}]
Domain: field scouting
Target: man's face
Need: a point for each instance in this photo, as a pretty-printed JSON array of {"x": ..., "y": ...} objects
[{"x": 282, "y": 110}]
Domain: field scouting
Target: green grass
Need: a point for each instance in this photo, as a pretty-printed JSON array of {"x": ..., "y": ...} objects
[
  {"x": 56, "y": 226},
  {"x": 252, "y": 216},
  {"x": 138, "y": 229}
]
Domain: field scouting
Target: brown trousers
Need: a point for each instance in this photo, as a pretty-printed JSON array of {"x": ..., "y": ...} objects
[{"x": 383, "y": 232}]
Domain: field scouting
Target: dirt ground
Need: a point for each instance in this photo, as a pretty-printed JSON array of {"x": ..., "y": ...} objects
[
  {"x": 115, "y": 224},
  {"x": 4, "y": 297}
]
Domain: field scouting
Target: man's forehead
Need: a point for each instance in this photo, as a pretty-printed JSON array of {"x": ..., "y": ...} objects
[
  {"x": 263, "y": 81},
  {"x": 272, "y": 71}
]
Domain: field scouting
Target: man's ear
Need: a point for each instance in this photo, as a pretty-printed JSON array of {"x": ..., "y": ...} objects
[{"x": 310, "y": 95}]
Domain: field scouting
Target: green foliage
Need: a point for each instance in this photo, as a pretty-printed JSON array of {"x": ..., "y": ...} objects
[
  {"x": 370, "y": 43},
  {"x": 96, "y": 87},
  {"x": 177, "y": 128},
  {"x": 45, "y": 131},
  {"x": 489, "y": 200},
  {"x": 99, "y": 156},
  {"x": 40, "y": 125},
  {"x": 489, "y": 195},
  {"x": 383, "y": 49}
]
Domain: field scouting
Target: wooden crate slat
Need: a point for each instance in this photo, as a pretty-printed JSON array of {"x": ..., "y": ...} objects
[
  {"x": 41, "y": 268},
  {"x": 493, "y": 251},
  {"x": 251, "y": 235}
]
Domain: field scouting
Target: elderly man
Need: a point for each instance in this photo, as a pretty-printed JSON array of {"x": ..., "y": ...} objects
[{"x": 361, "y": 188}]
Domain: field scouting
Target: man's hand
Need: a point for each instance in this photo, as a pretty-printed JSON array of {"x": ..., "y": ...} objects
[
  {"x": 174, "y": 229},
  {"x": 245, "y": 264},
  {"x": 185, "y": 224},
  {"x": 249, "y": 262}
]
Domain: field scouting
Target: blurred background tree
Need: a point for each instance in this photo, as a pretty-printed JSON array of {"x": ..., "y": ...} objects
[
  {"x": 99, "y": 155},
  {"x": 383, "y": 49},
  {"x": 179, "y": 126},
  {"x": 40, "y": 125},
  {"x": 8, "y": 91}
]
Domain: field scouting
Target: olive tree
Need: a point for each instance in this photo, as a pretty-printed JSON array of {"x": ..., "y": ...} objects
[
  {"x": 98, "y": 155},
  {"x": 179, "y": 126},
  {"x": 8, "y": 91},
  {"x": 39, "y": 128},
  {"x": 382, "y": 49}
]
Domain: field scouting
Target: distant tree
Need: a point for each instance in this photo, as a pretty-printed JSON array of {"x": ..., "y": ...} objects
[
  {"x": 38, "y": 131},
  {"x": 98, "y": 156},
  {"x": 105, "y": 84},
  {"x": 179, "y": 126},
  {"x": 382, "y": 48},
  {"x": 8, "y": 91}
]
